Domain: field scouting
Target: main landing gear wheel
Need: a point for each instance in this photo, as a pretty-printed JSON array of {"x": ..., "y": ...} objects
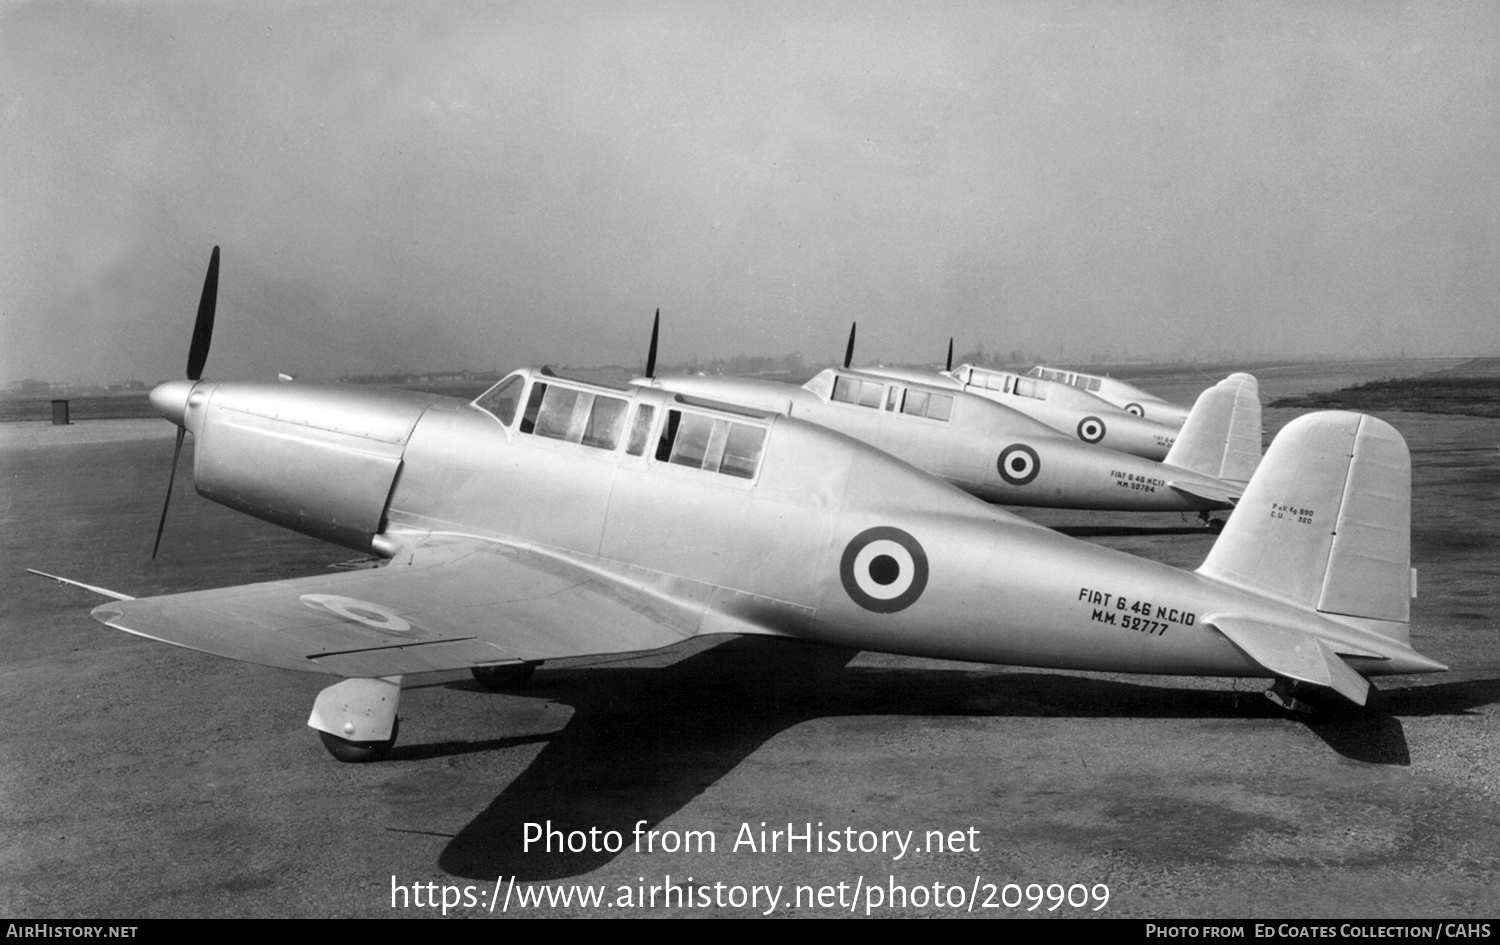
[
  {"x": 1214, "y": 525},
  {"x": 359, "y": 752},
  {"x": 505, "y": 677}
]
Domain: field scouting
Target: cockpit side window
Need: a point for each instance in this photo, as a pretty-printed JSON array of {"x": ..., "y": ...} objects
[
  {"x": 501, "y": 400},
  {"x": 925, "y": 404},
  {"x": 668, "y": 435},
  {"x": 712, "y": 444},
  {"x": 605, "y": 423},
  {"x": 692, "y": 440},
  {"x": 1027, "y": 387},
  {"x": 533, "y": 406},
  {"x": 557, "y": 411},
  {"x": 742, "y": 451},
  {"x": 853, "y": 390},
  {"x": 574, "y": 416}
]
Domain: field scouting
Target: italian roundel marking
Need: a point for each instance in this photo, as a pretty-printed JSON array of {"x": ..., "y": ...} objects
[
  {"x": 1136, "y": 409},
  {"x": 884, "y": 569},
  {"x": 374, "y": 616},
  {"x": 1018, "y": 464},
  {"x": 1091, "y": 429}
]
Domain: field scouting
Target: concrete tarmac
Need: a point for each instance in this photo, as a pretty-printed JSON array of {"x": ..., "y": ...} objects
[{"x": 141, "y": 780}]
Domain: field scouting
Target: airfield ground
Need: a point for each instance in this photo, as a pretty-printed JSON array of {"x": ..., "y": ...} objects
[{"x": 140, "y": 780}]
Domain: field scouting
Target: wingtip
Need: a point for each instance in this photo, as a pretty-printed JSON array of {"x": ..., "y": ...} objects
[{"x": 106, "y": 613}]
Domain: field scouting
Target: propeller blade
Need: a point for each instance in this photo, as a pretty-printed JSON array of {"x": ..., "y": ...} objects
[
  {"x": 849, "y": 351},
  {"x": 651, "y": 352},
  {"x": 950, "y": 355},
  {"x": 170, "y": 479},
  {"x": 203, "y": 328}
]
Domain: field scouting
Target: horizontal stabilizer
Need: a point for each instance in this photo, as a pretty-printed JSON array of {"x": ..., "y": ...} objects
[
  {"x": 476, "y": 602},
  {"x": 1206, "y": 492},
  {"x": 1295, "y": 654}
]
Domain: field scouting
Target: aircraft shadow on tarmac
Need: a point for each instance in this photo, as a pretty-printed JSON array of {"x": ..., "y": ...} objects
[{"x": 642, "y": 743}]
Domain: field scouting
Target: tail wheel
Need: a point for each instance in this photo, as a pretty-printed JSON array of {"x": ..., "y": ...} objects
[{"x": 359, "y": 752}]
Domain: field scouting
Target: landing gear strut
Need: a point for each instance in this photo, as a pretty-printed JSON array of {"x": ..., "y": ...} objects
[
  {"x": 506, "y": 676},
  {"x": 1214, "y": 525},
  {"x": 1282, "y": 694},
  {"x": 356, "y": 719}
]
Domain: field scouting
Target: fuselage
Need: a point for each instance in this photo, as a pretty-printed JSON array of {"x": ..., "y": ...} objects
[
  {"x": 765, "y": 523},
  {"x": 1070, "y": 411},
  {"x": 1127, "y": 397}
]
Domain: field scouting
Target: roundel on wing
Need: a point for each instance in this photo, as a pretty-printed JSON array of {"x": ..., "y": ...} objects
[
  {"x": 374, "y": 616},
  {"x": 1136, "y": 409},
  {"x": 1018, "y": 464},
  {"x": 884, "y": 569},
  {"x": 1091, "y": 429}
]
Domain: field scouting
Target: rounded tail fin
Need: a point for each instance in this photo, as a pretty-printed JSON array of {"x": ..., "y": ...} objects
[{"x": 1326, "y": 521}]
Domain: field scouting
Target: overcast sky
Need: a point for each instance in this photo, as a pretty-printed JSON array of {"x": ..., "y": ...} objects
[{"x": 449, "y": 185}]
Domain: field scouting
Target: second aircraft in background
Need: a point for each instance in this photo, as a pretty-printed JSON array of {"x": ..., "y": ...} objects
[{"x": 1003, "y": 456}]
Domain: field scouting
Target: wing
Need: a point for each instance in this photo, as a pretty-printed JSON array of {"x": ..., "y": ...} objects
[{"x": 460, "y": 603}]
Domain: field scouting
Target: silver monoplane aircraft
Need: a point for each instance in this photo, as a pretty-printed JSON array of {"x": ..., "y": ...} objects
[
  {"x": 1112, "y": 390},
  {"x": 1003, "y": 456},
  {"x": 556, "y": 517},
  {"x": 1061, "y": 407}
]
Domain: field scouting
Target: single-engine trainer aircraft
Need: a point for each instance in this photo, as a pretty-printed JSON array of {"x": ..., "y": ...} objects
[
  {"x": 1127, "y": 397},
  {"x": 555, "y": 517},
  {"x": 1000, "y": 455},
  {"x": 1062, "y": 407}
]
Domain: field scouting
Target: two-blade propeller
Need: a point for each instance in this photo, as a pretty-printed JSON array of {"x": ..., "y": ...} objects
[
  {"x": 849, "y": 351},
  {"x": 651, "y": 352},
  {"x": 203, "y": 330}
]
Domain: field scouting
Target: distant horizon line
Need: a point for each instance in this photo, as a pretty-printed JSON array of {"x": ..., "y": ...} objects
[{"x": 42, "y": 386}]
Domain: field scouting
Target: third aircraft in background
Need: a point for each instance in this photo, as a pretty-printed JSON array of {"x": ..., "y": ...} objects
[{"x": 1127, "y": 397}]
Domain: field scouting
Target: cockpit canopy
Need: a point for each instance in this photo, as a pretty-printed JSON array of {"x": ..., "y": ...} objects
[
  {"x": 881, "y": 393},
  {"x": 598, "y": 414},
  {"x": 1086, "y": 382},
  {"x": 1003, "y": 382}
]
